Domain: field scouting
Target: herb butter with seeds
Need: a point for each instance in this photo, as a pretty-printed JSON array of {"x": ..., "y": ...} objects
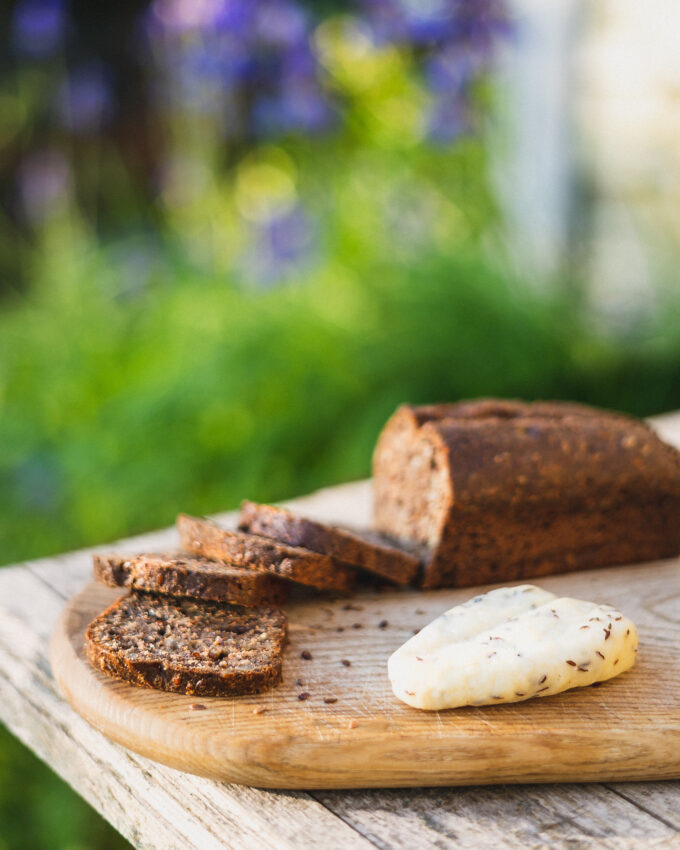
[{"x": 509, "y": 645}]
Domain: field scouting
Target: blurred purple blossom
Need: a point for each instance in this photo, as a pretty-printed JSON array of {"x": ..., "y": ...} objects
[
  {"x": 249, "y": 60},
  {"x": 455, "y": 42},
  {"x": 428, "y": 23},
  {"x": 44, "y": 183},
  {"x": 84, "y": 99},
  {"x": 38, "y": 27},
  {"x": 282, "y": 246}
]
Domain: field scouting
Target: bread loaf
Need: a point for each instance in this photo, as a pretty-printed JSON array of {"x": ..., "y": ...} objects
[{"x": 501, "y": 490}]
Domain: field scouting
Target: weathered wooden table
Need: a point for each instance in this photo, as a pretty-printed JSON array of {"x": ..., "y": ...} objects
[{"x": 155, "y": 806}]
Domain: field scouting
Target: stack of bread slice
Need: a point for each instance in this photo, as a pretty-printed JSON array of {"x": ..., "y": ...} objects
[{"x": 205, "y": 621}]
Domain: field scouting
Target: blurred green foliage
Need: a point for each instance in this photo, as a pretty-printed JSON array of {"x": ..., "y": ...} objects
[
  {"x": 119, "y": 411},
  {"x": 39, "y": 810},
  {"x": 146, "y": 373}
]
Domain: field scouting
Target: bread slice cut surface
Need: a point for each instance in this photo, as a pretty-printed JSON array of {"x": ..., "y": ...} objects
[{"x": 188, "y": 647}]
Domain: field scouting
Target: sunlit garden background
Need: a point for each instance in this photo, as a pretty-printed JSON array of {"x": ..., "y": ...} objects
[{"x": 235, "y": 234}]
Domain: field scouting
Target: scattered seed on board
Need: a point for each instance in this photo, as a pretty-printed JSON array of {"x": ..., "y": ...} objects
[
  {"x": 345, "y": 662},
  {"x": 302, "y": 697},
  {"x": 197, "y": 706},
  {"x": 383, "y": 624},
  {"x": 306, "y": 654},
  {"x": 356, "y": 625},
  {"x": 259, "y": 709},
  {"x": 299, "y": 683},
  {"x": 330, "y": 700},
  {"x": 600, "y": 654}
]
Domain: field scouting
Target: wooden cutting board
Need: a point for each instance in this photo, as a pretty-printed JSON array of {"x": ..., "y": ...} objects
[{"x": 625, "y": 729}]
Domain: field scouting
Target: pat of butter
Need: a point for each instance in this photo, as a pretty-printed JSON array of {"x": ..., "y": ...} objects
[{"x": 511, "y": 644}]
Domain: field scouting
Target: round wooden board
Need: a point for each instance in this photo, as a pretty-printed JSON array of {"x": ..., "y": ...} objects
[{"x": 625, "y": 729}]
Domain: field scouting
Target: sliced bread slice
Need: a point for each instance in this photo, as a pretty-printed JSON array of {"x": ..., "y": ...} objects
[
  {"x": 188, "y": 647},
  {"x": 374, "y": 553},
  {"x": 250, "y": 551},
  {"x": 186, "y": 575}
]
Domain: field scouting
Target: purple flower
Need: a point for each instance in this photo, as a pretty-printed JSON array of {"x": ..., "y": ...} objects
[
  {"x": 454, "y": 42},
  {"x": 281, "y": 247},
  {"x": 248, "y": 61},
  {"x": 38, "y": 27},
  {"x": 84, "y": 99},
  {"x": 44, "y": 182},
  {"x": 448, "y": 119}
]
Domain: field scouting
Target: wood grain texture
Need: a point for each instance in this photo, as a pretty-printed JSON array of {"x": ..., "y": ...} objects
[
  {"x": 157, "y": 807},
  {"x": 627, "y": 728},
  {"x": 152, "y": 805}
]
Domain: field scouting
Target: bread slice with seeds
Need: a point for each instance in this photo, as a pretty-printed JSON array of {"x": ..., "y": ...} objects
[
  {"x": 376, "y": 555},
  {"x": 188, "y": 647},
  {"x": 250, "y": 551},
  {"x": 186, "y": 575}
]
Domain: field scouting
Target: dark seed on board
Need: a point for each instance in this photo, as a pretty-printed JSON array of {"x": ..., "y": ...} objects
[
  {"x": 345, "y": 662},
  {"x": 306, "y": 654},
  {"x": 330, "y": 700},
  {"x": 571, "y": 663},
  {"x": 197, "y": 706},
  {"x": 356, "y": 625},
  {"x": 299, "y": 683},
  {"x": 302, "y": 697},
  {"x": 383, "y": 624}
]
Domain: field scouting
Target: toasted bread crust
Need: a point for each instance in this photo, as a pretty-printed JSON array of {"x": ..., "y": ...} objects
[
  {"x": 501, "y": 490},
  {"x": 186, "y": 575},
  {"x": 381, "y": 558},
  {"x": 249, "y": 551}
]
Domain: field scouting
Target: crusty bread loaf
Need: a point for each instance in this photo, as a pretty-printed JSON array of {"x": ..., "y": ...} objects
[
  {"x": 498, "y": 490},
  {"x": 188, "y": 647},
  {"x": 375, "y": 555},
  {"x": 186, "y": 575},
  {"x": 250, "y": 551}
]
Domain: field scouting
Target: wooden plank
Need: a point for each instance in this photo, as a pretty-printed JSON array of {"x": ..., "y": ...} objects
[
  {"x": 555, "y": 816},
  {"x": 153, "y": 806},
  {"x": 115, "y": 782}
]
